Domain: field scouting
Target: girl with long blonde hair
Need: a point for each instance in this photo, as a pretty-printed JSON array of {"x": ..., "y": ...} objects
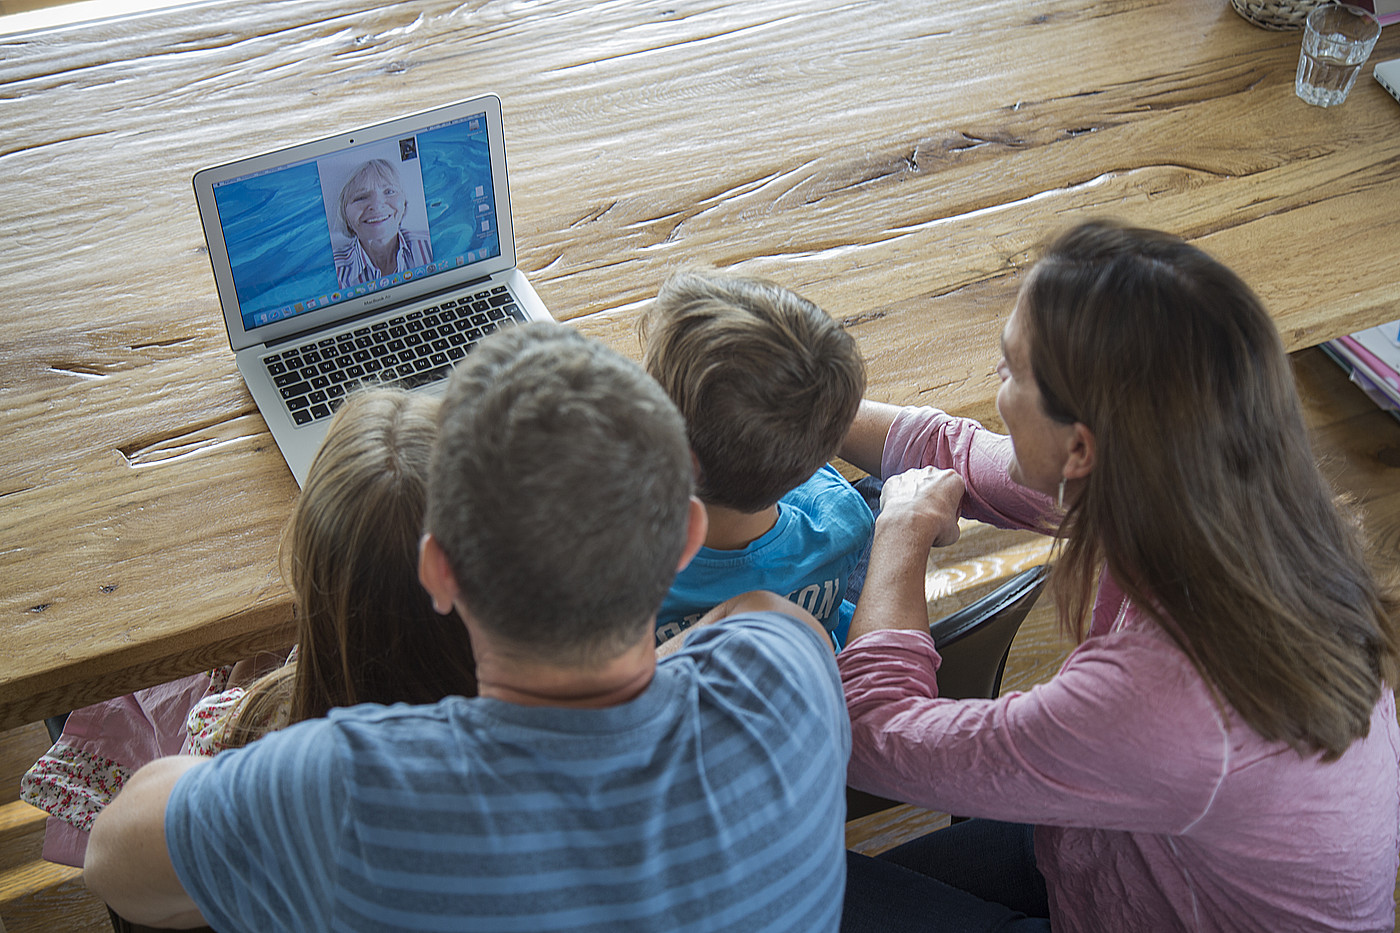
[{"x": 366, "y": 631}]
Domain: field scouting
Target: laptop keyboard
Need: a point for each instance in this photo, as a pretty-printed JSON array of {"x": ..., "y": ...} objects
[{"x": 410, "y": 350}]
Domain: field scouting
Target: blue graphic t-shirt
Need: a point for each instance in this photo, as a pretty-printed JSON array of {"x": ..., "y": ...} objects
[{"x": 823, "y": 526}]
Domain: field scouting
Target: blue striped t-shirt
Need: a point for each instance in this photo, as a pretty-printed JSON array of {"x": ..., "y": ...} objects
[{"x": 713, "y": 801}]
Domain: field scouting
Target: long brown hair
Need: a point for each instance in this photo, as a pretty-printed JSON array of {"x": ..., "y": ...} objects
[
  {"x": 1205, "y": 501},
  {"x": 367, "y": 631}
]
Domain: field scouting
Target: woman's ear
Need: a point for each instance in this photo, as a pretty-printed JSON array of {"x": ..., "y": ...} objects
[
  {"x": 435, "y": 573},
  {"x": 1080, "y": 462}
]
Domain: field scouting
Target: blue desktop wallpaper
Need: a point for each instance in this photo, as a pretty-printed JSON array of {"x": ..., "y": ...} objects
[
  {"x": 275, "y": 232},
  {"x": 455, "y": 162},
  {"x": 280, "y": 250}
]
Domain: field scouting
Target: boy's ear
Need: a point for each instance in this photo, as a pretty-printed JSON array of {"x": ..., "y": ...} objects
[
  {"x": 695, "y": 471},
  {"x": 435, "y": 573},
  {"x": 695, "y": 532}
]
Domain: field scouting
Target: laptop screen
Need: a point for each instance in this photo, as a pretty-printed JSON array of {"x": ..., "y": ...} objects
[
  {"x": 372, "y": 219},
  {"x": 317, "y": 232}
]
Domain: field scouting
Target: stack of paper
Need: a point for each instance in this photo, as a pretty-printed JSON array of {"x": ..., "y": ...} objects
[{"x": 1372, "y": 356}]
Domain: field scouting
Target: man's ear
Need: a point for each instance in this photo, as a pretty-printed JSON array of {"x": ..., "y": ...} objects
[
  {"x": 1081, "y": 453},
  {"x": 435, "y": 573},
  {"x": 695, "y": 532}
]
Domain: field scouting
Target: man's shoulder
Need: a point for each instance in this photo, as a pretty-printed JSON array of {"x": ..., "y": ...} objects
[
  {"x": 322, "y": 758},
  {"x": 771, "y": 678},
  {"x": 771, "y": 629},
  {"x": 347, "y": 733},
  {"x": 756, "y": 642},
  {"x": 401, "y": 723}
]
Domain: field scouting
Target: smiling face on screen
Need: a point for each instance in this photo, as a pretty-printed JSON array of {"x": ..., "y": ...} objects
[{"x": 373, "y": 203}]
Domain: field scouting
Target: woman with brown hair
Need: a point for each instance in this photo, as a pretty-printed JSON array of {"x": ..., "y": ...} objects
[{"x": 1220, "y": 750}]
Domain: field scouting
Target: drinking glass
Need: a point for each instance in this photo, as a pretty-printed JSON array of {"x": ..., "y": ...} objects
[{"x": 1337, "y": 38}]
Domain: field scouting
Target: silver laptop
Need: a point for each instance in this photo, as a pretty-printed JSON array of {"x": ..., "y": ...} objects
[{"x": 377, "y": 255}]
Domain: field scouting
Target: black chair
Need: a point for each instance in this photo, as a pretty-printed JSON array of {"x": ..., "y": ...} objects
[
  {"x": 974, "y": 643},
  {"x": 55, "y": 726},
  {"x": 122, "y": 925}
]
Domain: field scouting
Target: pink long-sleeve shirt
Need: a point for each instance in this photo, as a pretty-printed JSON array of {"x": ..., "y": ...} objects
[{"x": 1154, "y": 808}]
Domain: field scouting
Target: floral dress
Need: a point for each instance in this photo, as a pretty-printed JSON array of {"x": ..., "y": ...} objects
[{"x": 102, "y": 745}]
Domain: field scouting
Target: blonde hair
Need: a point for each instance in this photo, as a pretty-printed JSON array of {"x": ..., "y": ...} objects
[
  {"x": 382, "y": 169},
  {"x": 767, "y": 382},
  {"x": 367, "y": 631},
  {"x": 1205, "y": 501}
]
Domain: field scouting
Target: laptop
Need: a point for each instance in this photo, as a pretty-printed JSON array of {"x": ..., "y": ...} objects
[
  {"x": 380, "y": 254},
  {"x": 1388, "y": 74}
]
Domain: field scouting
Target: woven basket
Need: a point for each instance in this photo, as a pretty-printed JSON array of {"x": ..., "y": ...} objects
[{"x": 1276, "y": 14}]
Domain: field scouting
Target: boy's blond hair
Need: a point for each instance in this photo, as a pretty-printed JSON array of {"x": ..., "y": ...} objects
[{"x": 767, "y": 381}]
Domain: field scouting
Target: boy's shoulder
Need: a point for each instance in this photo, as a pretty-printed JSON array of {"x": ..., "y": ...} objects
[
  {"x": 825, "y": 518},
  {"x": 826, "y": 490}
]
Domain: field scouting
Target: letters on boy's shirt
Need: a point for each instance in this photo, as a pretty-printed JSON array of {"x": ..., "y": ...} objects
[{"x": 821, "y": 599}]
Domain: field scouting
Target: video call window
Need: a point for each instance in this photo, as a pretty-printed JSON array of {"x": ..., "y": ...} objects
[{"x": 314, "y": 233}]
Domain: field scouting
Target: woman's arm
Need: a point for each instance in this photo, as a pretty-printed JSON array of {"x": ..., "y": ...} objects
[
  {"x": 865, "y": 440},
  {"x": 1125, "y": 737},
  {"x": 919, "y": 437},
  {"x": 918, "y": 511}
]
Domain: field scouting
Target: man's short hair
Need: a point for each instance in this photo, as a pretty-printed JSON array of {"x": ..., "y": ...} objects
[
  {"x": 767, "y": 381},
  {"x": 559, "y": 492}
]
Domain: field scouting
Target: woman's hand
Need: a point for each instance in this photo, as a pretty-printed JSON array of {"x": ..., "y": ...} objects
[
  {"x": 926, "y": 501},
  {"x": 918, "y": 510}
]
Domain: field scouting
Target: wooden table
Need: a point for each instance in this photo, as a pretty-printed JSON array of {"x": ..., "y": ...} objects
[{"x": 896, "y": 162}]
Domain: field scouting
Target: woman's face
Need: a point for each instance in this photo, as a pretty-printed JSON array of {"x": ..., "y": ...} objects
[
  {"x": 375, "y": 209},
  {"x": 1040, "y": 444}
]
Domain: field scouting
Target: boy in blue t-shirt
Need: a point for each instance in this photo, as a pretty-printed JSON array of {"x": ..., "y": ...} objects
[{"x": 768, "y": 384}]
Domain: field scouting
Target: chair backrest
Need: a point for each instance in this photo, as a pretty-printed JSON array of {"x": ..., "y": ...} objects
[
  {"x": 974, "y": 643},
  {"x": 975, "y": 640}
]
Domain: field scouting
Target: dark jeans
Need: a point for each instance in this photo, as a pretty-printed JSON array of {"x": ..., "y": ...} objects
[{"x": 974, "y": 876}]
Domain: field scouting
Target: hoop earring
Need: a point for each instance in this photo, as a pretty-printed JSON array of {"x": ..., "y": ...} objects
[{"x": 1060, "y": 499}]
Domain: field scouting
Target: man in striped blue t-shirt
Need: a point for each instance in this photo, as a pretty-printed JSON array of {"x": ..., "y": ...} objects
[{"x": 588, "y": 787}]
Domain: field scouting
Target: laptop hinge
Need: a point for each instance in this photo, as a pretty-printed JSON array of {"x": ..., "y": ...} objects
[{"x": 425, "y": 298}]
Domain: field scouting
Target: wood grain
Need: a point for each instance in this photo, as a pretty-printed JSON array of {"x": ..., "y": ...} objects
[{"x": 897, "y": 163}]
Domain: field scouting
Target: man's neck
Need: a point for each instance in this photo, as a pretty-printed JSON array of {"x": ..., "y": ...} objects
[
  {"x": 731, "y": 530},
  {"x": 515, "y": 678}
]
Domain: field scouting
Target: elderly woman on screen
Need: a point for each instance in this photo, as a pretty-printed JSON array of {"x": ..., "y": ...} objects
[
  {"x": 372, "y": 208},
  {"x": 1220, "y": 750}
]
